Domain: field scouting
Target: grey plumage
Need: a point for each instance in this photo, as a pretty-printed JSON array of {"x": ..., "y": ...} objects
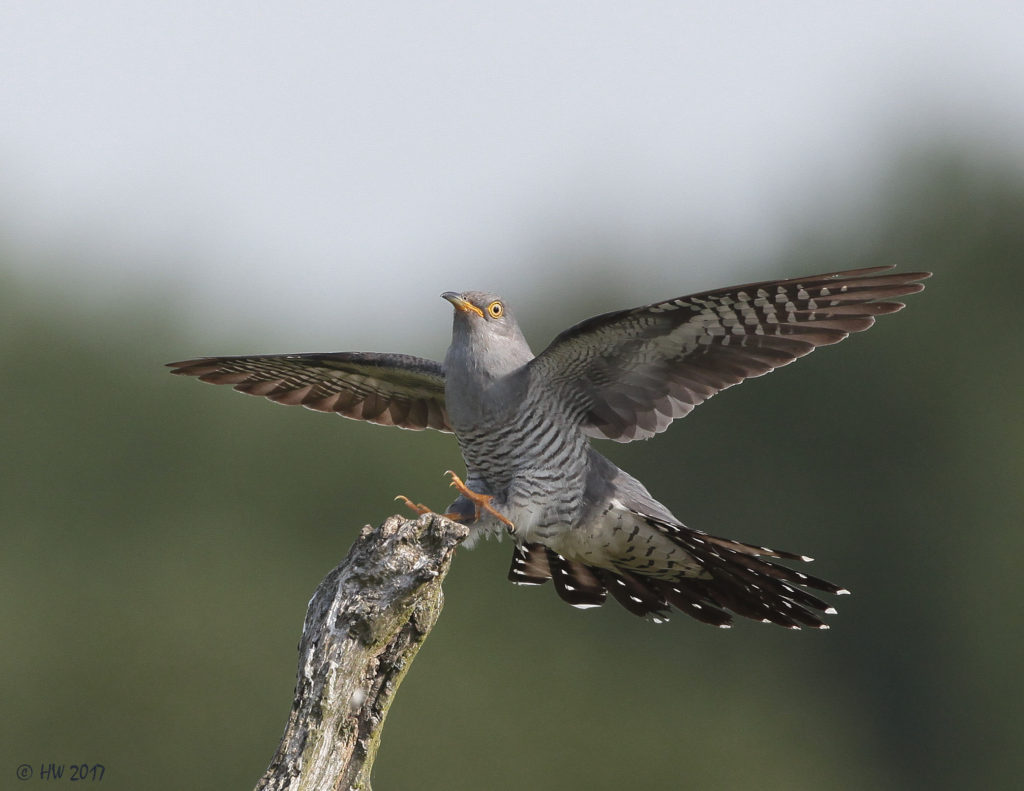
[{"x": 523, "y": 423}]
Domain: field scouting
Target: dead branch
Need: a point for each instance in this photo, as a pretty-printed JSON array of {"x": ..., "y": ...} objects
[{"x": 363, "y": 627}]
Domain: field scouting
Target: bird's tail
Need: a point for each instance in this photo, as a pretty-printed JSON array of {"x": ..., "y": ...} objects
[{"x": 735, "y": 578}]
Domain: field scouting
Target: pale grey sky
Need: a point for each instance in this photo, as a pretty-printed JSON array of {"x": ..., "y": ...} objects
[{"x": 289, "y": 163}]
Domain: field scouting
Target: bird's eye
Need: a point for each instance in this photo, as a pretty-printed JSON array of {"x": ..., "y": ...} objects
[{"x": 495, "y": 309}]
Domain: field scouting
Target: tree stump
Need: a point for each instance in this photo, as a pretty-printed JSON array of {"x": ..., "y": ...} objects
[{"x": 363, "y": 627}]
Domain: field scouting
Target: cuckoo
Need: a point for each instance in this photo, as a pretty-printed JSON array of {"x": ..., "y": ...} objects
[{"x": 524, "y": 423}]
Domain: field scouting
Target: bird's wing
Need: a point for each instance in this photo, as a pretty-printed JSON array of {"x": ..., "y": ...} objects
[
  {"x": 637, "y": 370},
  {"x": 390, "y": 389}
]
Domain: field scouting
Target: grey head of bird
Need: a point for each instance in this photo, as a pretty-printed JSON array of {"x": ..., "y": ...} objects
[{"x": 486, "y": 339}]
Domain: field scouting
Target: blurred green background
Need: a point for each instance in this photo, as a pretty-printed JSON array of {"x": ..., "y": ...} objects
[{"x": 161, "y": 540}]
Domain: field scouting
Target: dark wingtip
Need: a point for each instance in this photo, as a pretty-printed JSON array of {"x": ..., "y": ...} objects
[
  {"x": 180, "y": 367},
  {"x": 194, "y": 367}
]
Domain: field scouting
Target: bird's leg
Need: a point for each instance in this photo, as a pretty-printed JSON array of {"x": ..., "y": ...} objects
[
  {"x": 481, "y": 502},
  {"x": 419, "y": 509}
]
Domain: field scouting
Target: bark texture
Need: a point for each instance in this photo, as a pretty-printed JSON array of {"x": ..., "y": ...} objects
[{"x": 363, "y": 627}]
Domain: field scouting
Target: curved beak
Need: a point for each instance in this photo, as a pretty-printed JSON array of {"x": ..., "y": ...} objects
[{"x": 462, "y": 305}]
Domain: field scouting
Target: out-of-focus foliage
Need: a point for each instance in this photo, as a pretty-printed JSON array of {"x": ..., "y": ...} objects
[{"x": 161, "y": 540}]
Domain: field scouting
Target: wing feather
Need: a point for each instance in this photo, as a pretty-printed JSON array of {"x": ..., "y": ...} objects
[
  {"x": 388, "y": 389},
  {"x": 635, "y": 371}
]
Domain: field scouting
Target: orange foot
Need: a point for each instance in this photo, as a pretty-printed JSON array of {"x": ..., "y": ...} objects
[
  {"x": 418, "y": 508},
  {"x": 481, "y": 502}
]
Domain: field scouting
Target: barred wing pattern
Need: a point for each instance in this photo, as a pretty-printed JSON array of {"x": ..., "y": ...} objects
[
  {"x": 389, "y": 389},
  {"x": 635, "y": 371}
]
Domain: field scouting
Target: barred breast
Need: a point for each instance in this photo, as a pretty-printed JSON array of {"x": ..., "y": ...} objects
[{"x": 534, "y": 462}]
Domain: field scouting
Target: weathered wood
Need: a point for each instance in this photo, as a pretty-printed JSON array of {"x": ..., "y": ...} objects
[{"x": 363, "y": 627}]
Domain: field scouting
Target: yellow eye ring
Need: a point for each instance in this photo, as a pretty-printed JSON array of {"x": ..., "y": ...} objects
[{"x": 495, "y": 309}]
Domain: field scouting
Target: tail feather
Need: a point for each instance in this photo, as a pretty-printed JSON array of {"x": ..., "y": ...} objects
[
  {"x": 530, "y": 565},
  {"x": 575, "y": 582},
  {"x": 695, "y": 603},
  {"x": 638, "y": 595},
  {"x": 735, "y": 579},
  {"x": 773, "y": 576},
  {"x": 741, "y": 581},
  {"x": 747, "y": 549}
]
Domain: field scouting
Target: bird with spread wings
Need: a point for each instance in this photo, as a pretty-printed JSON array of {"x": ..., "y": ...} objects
[{"x": 523, "y": 423}]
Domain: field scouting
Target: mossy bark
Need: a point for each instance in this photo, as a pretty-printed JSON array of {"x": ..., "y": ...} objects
[{"x": 363, "y": 627}]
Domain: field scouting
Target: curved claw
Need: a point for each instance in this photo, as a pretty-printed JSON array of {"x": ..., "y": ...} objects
[
  {"x": 481, "y": 502},
  {"x": 418, "y": 508}
]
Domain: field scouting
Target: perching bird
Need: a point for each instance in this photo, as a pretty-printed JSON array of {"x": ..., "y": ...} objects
[{"x": 523, "y": 423}]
